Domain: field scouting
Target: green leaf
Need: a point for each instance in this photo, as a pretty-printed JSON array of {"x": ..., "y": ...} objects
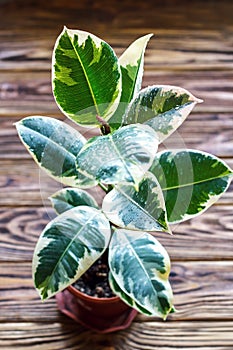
[
  {"x": 54, "y": 146},
  {"x": 86, "y": 77},
  {"x": 123, "y": 156},
  {"x": 129, "y": 301},
  {"x": 191, "y": 181},
  {"x": 162, "y": 107},
  {"x": 143, "y": 210},
  {"x": 140, "y": 267},
  {"x": 67, "y": 247},
  {"x": 131, "y": 63},
  {"x": 68, "y": 198}
]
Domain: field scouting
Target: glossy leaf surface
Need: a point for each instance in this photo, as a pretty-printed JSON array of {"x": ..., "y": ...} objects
[
  {"x": 54, "y": 145},
  {"x": 68, "y": 198},
  {"x": 67, "y": 247},
  {"x": 131, "y": 64},
  {"x": 123, "y": 156},
  {"x": 162, "y": 107},
  {"x": 140, "y": 267},
  {"x": 142, "y": 209},
  {"x": 86, "y": 77},
  {"x": 191, "y": 181},
  {"x": 129, "y": 301}
]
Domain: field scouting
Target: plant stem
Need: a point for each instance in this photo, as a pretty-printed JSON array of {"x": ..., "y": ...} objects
[
  {"x": 104, "y": 188},
  {"x": 104, "y": 126}
]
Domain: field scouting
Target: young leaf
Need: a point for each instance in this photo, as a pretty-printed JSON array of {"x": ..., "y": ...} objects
[
  {"x": 191, "y": 181},
  {"x": 86, "y": 77},
  {"x": 67, "y": 247},
  {"x": 123, "y": 156},
  {"x": 131, "y": 63},
  {"x": 140, "y": 267},
  {"x": 54, "y": 145},
  {"x": 137, "y": 210},
  {"x": 68, "y": 198},
  {"x": 162, "y": 107}
]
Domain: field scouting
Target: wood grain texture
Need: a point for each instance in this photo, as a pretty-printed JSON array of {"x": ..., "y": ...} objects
[
  {"x": 212, "y": 133},
  {"x": 202, "y": 291},
  {"x": 165, "y": 52},
  {"x": 23, "y": 183},
  {"x": 207, "y": 237},
  {"x": 203, "y": 335},
  {"x": 24, "y": 93},
  {"x": 192, "y": 48},
  {"x": 186, "y": 39}
]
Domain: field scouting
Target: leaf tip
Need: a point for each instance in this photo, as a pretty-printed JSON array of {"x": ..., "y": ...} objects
[
  {"x": 166, "y": 228},
  {"x": 169, "y": 231},
  {"x": 149, "y": 35},
  {"x": 65, "y": 29},
  {"x": 198, "y": 100}
]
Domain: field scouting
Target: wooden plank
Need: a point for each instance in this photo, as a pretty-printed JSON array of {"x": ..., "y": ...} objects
[
  {"x": 23, "y": 183},
  {"x": 168, "y": 51},
  {"x": 185, "y": 17},
  {"x": 189, "y": 42},
  {"x": 192, "y": 48},
  {"x": 207, "y": 237},
  {"x": 212, "y": 133},
  {"x": 147, "y": 336},
  {"x": 202, "y": 290},
  {"x": 25, "y": 93}
]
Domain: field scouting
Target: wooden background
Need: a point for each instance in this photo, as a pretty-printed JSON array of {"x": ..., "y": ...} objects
[{"x": 192, "y": 48}]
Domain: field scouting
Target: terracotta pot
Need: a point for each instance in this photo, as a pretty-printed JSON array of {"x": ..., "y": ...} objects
[{"x": 103, "y": 315}]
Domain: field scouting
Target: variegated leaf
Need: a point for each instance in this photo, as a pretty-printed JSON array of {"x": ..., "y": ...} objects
[
  {"x": 131, "y": 63},
  {"x": 123, "y": 156},
  {"x": 129, "y": 301},
  {"x": 163, "y": 107},
  {"x": 54, "y": 145},
  {"x": 140, "y": 267},
  {"x": 67, "y": 247},
  {"x": 191, "y": 181},
  {"x": 142, "y": 209},
  {"x": 68, "y": 198},
  {"x": 86, "y": 77}
]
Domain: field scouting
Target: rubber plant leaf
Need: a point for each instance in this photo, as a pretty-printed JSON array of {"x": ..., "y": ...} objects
[
  {"x": 86, "y": 77},
  {"x": 191, "y": 181},
  {"x": 142, "y": 209},
  {"x": 67, "y": 247},
  {"x": 140, "y": 266},
  {"x": 68, "y": 198},
  {"x": 162, "y": 107},
  {"x": 123, "y": 156},
  {"x": 119, "y": 292},
  {"x": 54, "y": 146},
  {"x": 131, "y": 64}
]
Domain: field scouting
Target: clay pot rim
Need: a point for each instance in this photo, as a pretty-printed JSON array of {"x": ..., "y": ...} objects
[{"x": 84, "y": 296}]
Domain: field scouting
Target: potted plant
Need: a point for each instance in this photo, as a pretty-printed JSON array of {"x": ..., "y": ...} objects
[{"x": 145, "y": 191}]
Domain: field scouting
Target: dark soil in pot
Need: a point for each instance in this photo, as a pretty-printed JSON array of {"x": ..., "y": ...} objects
[
  {"x": 91, "y": 302},
  {"x": 94, "y": 281}
]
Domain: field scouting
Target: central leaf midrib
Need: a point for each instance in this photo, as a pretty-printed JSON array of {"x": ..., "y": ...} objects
[
  {"x": 120, "y": 156},
  {"x": 68, "y": 246},
  {"x": 138, "y": 206},
  {"x": 86, "y": 76},
  {"x": 64, "y": 150},
  {"x": 146, "y": 273},
  {"x": 195, "y": 183}
]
